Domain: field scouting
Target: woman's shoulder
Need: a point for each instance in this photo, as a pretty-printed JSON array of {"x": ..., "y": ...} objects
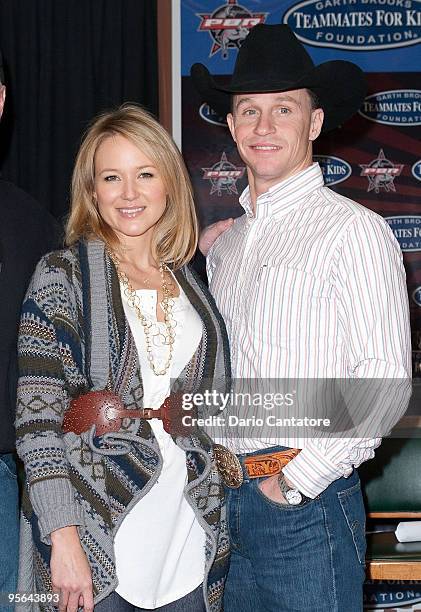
[
  {"x": 60, "y": 259},
  {"x": 56, "y": 272}
]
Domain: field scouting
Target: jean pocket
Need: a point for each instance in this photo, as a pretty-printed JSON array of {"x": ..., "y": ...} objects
[
  {"x": 8, "y": 466},
  {"x": 282, "y": 506},
  {"x": 353, "y": 508}
]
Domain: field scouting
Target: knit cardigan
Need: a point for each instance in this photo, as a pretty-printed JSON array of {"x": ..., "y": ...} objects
[{"x": 94, "y": 481}]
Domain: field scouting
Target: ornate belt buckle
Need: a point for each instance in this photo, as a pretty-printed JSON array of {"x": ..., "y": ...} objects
[{"x": 229, "y": 467}]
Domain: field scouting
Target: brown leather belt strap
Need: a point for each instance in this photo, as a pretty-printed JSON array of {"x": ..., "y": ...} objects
[
  {"x": 105, "y": 410},
  {"x": 141, "y": 413},
  {"x": 268, "y": 464}
]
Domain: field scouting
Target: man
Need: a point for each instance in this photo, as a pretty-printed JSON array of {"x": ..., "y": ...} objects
[
  {"x": 27, "y": 231},
  {"x": 311, "y": 286}
]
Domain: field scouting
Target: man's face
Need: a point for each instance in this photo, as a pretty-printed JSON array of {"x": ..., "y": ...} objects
[{"x": 274, "y": 132}]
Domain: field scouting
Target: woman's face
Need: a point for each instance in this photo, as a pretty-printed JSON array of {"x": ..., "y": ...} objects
[{"x": 129, "y": 190}]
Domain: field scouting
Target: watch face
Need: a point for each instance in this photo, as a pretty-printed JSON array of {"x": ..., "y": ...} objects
[{"x": 293, "y": 497}]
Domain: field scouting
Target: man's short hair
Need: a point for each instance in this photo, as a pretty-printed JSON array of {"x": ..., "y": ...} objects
[{"x": 314, "y": 101}]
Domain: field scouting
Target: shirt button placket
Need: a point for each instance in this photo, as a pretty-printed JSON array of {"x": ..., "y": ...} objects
[{"x": 241, "y": 302}]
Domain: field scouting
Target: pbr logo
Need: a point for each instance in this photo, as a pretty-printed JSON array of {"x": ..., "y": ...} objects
[
  {"x": 360, "y": 25},
  {"x": 223, "y": 176},
  {"x": 228, "y": 26},
  {"x": 416, "y": 296},
  {"x": 416, "y": 170},
  {"x": 208, "y": 114},
  {"x": 335, "y": 170},
  {"x": 395, "y": 107},
  {"x": 381, "y": 173},
  {"x": 407, "y": 231}
]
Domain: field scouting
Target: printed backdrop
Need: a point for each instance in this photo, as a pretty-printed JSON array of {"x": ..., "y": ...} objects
[{"x": 375, "y": 158}]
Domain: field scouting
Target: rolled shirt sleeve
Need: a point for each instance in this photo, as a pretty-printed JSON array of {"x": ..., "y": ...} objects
[{"x": 374, "y": 323}]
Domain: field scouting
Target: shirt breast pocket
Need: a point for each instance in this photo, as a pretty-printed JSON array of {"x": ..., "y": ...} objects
[{"x": 288, "y": 302}]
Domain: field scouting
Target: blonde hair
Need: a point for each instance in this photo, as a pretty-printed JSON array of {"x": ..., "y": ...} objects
[{"x": 175, "y": 235}]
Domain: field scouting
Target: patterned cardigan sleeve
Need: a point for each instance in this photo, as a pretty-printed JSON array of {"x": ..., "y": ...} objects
[{"x": 47, "y": 333}]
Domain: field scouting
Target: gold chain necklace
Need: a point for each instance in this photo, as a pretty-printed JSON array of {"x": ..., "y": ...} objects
[{"x": 166, "y": 305}]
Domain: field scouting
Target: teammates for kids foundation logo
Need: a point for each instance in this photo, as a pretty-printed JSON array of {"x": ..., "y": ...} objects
[
  {"x": 358, "y": 25},
  {"x": 395, "y": 107}
]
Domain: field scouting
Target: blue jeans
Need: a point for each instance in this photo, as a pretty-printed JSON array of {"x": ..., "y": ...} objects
[
  {"x": 9, "y": 526},
  {"x": 192, "y": 602},
  {"x": 306, "y": 558}
]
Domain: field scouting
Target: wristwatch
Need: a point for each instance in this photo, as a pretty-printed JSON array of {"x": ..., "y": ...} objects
[{"x": 292, "y": 495}]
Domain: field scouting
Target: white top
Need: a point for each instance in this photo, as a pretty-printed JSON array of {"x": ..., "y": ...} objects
[
  {"x": 312, "y": 286},
  {"x": 160, "y": 546}
]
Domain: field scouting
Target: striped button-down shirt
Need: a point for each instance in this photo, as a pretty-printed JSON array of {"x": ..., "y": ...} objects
[{"x": 312, "y": 286}]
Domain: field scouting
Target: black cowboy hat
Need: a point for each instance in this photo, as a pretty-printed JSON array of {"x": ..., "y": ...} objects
[{"x": 272, "y": 59}]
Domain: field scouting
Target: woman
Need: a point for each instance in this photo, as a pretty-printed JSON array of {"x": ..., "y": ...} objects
[{"x": 132, "y": 518}]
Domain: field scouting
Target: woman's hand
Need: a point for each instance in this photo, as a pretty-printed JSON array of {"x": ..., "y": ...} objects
[{"x": 70, "y": 571}]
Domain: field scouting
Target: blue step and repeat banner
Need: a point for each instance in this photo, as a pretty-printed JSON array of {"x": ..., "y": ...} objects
[{"x": 375, "y": 158}]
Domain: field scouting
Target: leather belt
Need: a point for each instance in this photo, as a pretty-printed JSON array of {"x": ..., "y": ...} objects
[
  {"x": 255, "y": 466},
  {"x": 106, "y": 411}
]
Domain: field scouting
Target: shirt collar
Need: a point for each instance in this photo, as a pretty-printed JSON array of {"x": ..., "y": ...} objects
[{"x": 284, "y": 196}]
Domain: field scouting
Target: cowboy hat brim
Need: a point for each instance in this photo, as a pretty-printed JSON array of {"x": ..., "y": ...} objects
[{"x": 339, "y": 85}]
